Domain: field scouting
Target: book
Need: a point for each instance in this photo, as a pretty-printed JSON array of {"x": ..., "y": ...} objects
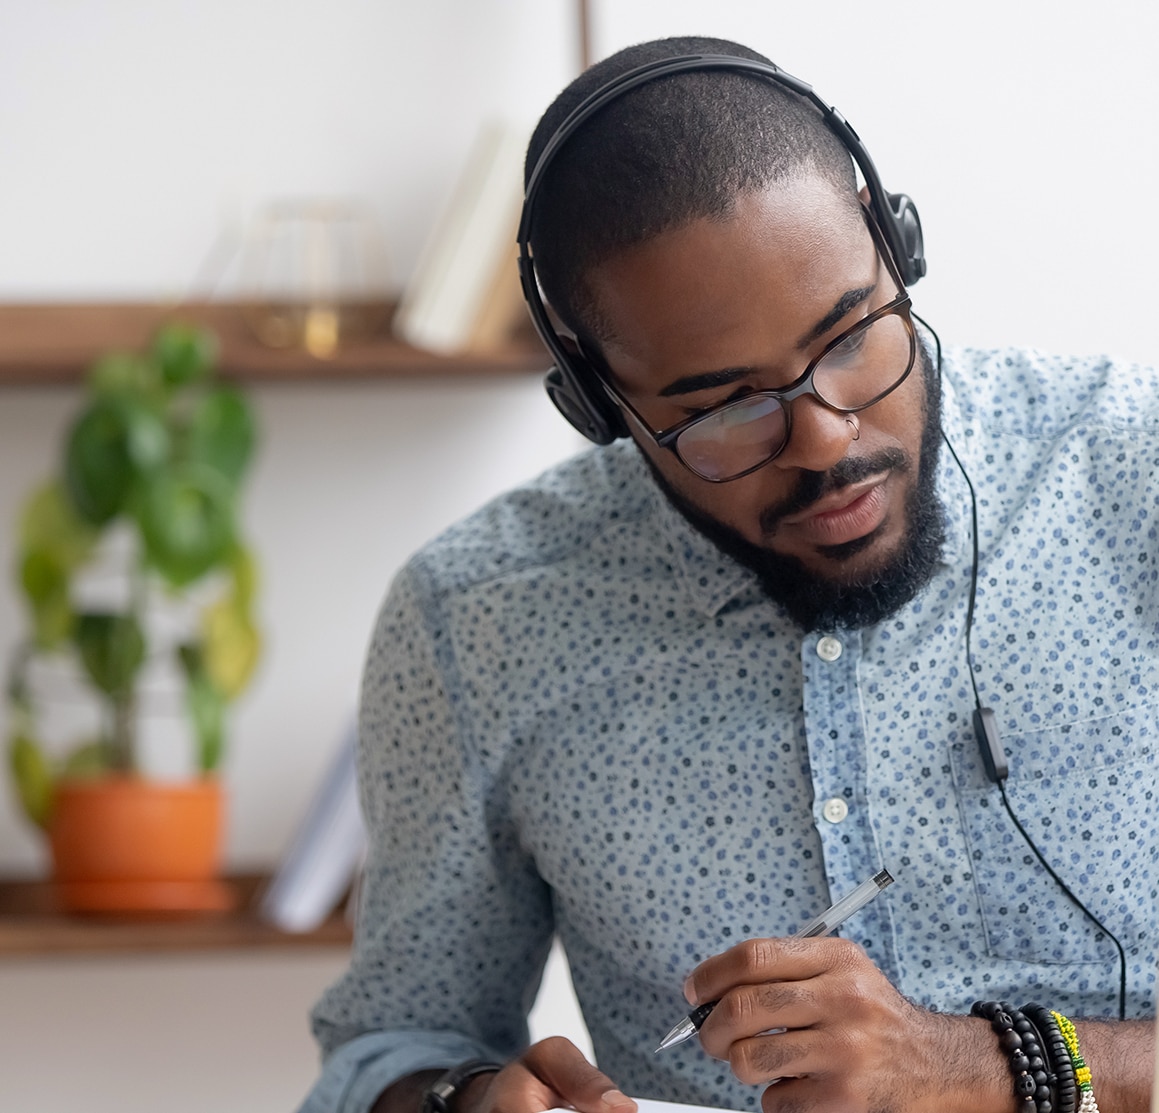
[
  {"x": 503, "y": 314},
  {"x": 326, "y": 852},
  {"x": 464, "y": 295}
]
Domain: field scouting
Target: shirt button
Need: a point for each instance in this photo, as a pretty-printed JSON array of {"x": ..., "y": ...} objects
[
  {"x": 828, "y": 649},
  {"x": 835, "y": 809}
]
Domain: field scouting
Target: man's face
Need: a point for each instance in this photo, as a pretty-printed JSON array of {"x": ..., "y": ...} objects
[{"x": 701, "y": 314}]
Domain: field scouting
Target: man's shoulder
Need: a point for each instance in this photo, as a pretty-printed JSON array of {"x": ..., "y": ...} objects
[
  {"x": 543, "y": 523},
  {"x": 1035, "y": 393}
]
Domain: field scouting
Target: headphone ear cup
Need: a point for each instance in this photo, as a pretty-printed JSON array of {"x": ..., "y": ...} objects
[
  {"x": 910, "y": 252},
  {"x": 594, "y": 417}
]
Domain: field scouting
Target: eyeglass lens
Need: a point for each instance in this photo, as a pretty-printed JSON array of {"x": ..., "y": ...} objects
[{"x": 859, "y": 370}]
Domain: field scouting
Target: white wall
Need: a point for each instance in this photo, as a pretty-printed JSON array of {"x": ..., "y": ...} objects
[
  {"x": 1024, "y": 130},
  {"x": 137, "y": 134},
  {"x": 134, "y": 133}
]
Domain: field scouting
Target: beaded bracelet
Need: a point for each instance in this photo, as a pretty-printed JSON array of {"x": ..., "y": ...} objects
[
  {"x": 1016, "y": 1035},
  {"x": 1082, "y": 1072},
  {"x": 1058, "y": 1058}
]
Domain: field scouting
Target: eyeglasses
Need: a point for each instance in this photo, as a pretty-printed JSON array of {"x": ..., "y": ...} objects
[{"x": 855, "y": 371}]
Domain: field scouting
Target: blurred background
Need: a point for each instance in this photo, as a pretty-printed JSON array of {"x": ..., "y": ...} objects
[{"x": 139, "y": 141}]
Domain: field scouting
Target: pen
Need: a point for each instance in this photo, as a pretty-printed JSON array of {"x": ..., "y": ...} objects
[{"x": 829, "y": 920}]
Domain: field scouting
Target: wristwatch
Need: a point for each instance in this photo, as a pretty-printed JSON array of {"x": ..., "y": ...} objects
[{"x": 442, "y": 1091}]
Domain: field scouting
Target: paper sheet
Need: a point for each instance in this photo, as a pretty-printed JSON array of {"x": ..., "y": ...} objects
[{"x": 648, "y": 1105}]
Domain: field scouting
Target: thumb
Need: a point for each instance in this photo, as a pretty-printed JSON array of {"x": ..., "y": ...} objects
[{"x": 561, "y": 1066}]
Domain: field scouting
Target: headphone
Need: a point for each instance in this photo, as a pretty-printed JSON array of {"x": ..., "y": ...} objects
[{"x": 573, "y": 384}]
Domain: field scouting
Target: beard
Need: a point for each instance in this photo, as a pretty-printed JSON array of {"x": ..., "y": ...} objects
[{"x": 813, "y": 601}]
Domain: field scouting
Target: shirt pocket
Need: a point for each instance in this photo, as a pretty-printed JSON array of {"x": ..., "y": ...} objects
[{"x": 1086, "y": 794}]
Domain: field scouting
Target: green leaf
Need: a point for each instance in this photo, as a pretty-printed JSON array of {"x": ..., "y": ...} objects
[
  {"x": 125, "y": 374},
  {"x": 190, "y": 657},
  {"x": 186, "y": 520},
  {"x": 41, "y": 576},
  {"x": 206, "y": 706},
  {"x": 33, "y": 777},
  {"x": 184, "y": 353},
  {"x": 222, "y": 433},
  {"x": 112, "y": 649},
  {"x": 49, "y": 523},
  {"x": 243, "y": 566},
  {"x": 46, "y": 586},
  {"x": 232, "y": 646},
  {"x": 112, "y": 444},
  {"x": 53, "y": 540}
]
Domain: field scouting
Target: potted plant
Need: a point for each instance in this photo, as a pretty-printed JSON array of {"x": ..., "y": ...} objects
[{"x": 136, "y": 579}]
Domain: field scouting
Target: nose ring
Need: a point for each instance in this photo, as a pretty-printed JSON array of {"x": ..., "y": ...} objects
[{"x": 851, "y": 421}]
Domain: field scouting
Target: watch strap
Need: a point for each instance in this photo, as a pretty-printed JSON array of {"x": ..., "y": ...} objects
[{"x": 441, "y": 1093}]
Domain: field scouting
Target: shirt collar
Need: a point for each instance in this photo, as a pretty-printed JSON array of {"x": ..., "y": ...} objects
[{"x": 710, "y": 578}]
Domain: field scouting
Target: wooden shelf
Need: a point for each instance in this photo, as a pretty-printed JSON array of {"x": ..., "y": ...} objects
[
  {"x": 56, "y": 344},
  {"x": 31, "y": 924}
]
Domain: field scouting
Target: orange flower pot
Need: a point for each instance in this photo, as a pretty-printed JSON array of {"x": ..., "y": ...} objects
[{"x": 128, "y": 845}]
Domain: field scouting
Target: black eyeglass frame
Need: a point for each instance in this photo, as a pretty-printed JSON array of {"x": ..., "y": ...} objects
[{"x": 802, "y": 385}]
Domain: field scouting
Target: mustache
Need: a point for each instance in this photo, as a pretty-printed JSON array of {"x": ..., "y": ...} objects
[{"x": 815, "y": 485}]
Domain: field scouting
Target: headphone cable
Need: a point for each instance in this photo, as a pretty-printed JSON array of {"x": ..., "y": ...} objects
[{"x": 1000, "y": 780}]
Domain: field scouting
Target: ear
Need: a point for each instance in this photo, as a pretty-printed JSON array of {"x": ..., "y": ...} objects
[{"x": 863, "y": 193}]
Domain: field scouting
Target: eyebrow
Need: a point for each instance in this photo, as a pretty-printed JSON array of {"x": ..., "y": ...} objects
[
  {"x": 848, "y": 301},
  {"x": 706, "y": 380}
]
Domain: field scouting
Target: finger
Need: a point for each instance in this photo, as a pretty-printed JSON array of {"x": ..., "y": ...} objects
[
  {"x": 760, "y": 1060},
  {"x": 753, "y": 1010},
  {"x": 767, "y": 960},
  {"x": 803, "y": 1095},
  {"x": 567, "y": 1078}
]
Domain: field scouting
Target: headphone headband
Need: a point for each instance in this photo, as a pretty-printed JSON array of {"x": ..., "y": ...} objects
[{"x": 573, "y": 385}]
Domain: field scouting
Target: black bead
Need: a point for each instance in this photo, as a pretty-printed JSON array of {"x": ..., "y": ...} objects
[
  {"x": 1019, "y": 1062},
  {"x": 1010, "y": 1040},
  {"x": 1024, "y": 1086}
]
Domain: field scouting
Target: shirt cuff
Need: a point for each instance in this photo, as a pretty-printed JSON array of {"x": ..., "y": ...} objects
[{"x": 357, "y": 1072}]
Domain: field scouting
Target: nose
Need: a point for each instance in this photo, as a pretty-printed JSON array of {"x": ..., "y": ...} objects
[{"x": 819, "y": 437}]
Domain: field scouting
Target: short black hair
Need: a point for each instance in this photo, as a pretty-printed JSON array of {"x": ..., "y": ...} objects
[{"x": 671, "y": 151}]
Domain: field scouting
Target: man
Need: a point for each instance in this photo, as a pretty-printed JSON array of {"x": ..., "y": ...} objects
[{"x": 678, "y": 695}]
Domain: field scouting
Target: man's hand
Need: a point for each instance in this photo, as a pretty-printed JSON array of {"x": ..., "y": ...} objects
[
  {"x": 851, "y": 1041},
  {"x": 550, "y": 1073}
]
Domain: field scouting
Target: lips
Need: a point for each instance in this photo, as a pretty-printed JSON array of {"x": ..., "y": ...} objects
[{"x": 843, "y": 516}]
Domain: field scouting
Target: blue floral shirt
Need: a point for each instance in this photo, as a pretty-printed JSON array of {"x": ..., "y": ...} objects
[{"x": 580, "y": 718}]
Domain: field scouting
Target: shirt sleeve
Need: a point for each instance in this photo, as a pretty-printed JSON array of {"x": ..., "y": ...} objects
[{"x": 454, "y": 922}]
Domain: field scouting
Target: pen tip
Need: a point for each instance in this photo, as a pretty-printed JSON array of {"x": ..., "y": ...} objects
[
  {"x": 883, "y": 878},
  {"x": 681, "y": 1032}
]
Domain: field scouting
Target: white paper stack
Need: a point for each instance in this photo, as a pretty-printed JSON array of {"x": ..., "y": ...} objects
[{"x": 326, "y": 852}]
